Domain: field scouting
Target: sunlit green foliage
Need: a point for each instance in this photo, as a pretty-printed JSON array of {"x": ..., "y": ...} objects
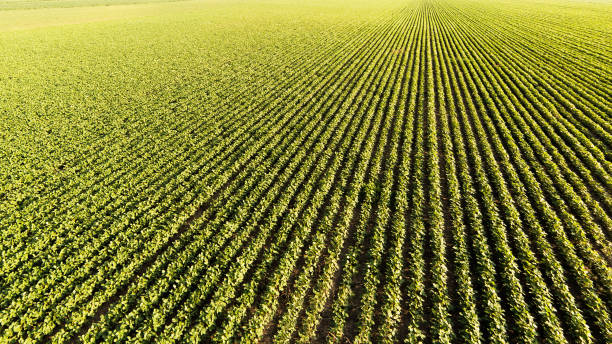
[{"x": 305, "y": 171}]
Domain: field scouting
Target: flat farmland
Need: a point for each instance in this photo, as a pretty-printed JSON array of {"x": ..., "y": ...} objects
[{"x": 278, "y": 171}]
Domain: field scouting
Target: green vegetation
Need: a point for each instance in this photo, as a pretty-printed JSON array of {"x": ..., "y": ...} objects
[{"x": 306, "y": 171}]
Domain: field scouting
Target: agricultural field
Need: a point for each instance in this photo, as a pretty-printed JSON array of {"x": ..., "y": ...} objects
[{"x": 316, "y": 171}]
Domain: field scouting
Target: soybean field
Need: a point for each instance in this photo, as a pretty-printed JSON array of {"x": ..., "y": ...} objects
[{"x": 316, "y": 171}]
